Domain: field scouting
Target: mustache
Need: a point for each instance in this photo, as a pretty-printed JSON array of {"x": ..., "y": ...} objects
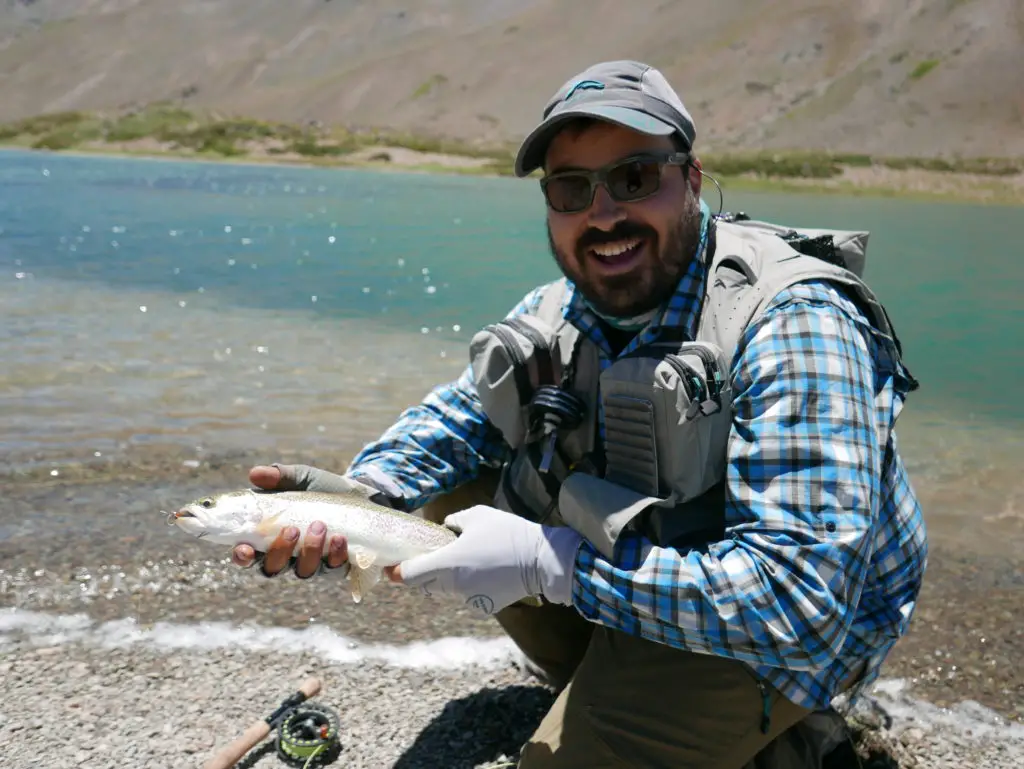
[{"x": 623, "y": 231}]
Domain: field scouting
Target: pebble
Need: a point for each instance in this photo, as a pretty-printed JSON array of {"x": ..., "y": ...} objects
[
  {"x": 132, "y": 707},
  {"x": 390, "y": 716}
]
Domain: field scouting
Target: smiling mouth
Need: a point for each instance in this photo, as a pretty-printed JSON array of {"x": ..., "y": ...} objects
[{"x": 618, "y": 252}]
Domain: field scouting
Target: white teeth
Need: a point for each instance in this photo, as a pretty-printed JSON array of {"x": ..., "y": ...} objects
[{"x": 614, "y": 249}]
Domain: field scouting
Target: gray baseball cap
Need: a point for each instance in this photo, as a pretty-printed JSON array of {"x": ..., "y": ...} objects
[{"x": 629, "y": 93}]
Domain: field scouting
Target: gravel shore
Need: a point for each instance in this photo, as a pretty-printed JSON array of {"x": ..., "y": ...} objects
[
  {"x": 126, "y": 703},
  {"x": 125, "y": 644}
]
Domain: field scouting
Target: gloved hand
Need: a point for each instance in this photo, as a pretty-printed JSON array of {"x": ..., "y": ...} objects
[
  {"x": 311, "y": 560},
  {"x": 279, "y": 477},
  {"x": 498, "y": 559}
]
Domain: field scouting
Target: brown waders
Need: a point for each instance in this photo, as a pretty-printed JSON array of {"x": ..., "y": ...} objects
[{"x": 628, "y": 702}]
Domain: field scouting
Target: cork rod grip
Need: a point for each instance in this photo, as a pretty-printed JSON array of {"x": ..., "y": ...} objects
[{"x": 233, "y": 752}]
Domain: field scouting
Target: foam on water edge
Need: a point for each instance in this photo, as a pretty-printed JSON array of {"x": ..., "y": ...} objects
[{"x": 40, "y": 629}]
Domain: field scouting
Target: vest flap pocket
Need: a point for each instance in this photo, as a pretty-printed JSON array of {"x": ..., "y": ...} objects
[
  {"x": 631, "y": 452},
  {"x": 599, "y": 510},
  {"x": 509, "y": 360}
]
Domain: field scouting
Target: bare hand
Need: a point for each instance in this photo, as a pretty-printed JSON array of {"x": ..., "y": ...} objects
[{"x": 279, "y": 554}]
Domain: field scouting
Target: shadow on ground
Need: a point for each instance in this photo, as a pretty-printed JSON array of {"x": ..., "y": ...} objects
[{"x": 484, "y": 727}]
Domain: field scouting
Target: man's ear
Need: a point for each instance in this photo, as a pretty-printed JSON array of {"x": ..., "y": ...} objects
[{"x": 693, "y": 175}]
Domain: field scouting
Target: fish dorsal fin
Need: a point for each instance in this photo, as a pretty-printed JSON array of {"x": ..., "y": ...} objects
[{"x": 362, "y": 575}]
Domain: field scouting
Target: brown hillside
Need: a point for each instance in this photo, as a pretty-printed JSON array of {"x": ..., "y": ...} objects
[{"x": 886, "y": 77}]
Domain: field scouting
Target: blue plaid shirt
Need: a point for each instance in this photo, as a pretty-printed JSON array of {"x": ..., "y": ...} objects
[{"x": 825, "y": 545}]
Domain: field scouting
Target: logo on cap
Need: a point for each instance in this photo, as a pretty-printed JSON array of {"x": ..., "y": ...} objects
[{"x": 584, "y": 85}]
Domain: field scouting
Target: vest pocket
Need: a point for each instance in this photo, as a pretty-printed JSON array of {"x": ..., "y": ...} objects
[
  {"x": 666, "y": 420},
  {"x": 509, "y": 360},
  {"x": 631, "y": 451}
]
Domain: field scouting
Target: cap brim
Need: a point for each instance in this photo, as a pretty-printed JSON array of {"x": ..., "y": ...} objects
[{"x": 534, "y": 147}]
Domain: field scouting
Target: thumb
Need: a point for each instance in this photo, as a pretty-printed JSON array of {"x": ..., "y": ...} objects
[
  {"x": 456, "y": 521},
  {"x": 421, "y": 569},
  {"x": 295, "y": 477},
  {"x": 265, "y": 477},
  {"x": 463, "y": 519}
]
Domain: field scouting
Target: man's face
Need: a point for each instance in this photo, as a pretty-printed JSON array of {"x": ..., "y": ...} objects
[{"x": 626, "y": 258}]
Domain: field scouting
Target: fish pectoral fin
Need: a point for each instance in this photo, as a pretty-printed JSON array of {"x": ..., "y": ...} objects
[{"x": 363, "y": 575}]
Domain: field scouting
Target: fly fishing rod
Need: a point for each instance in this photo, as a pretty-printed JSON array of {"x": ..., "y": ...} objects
[{"x": 307, "y": 734}]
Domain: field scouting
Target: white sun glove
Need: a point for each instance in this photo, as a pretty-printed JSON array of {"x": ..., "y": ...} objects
[{"x": 498, "y": 559}]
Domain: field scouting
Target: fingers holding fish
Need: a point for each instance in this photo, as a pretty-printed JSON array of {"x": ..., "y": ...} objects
[
  {"x": 279, "y": 555},
  {"x": 311, "y": 556}
]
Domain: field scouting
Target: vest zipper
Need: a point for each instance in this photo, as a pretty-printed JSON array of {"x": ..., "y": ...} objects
[
  {"x": 680, "y": 367},
  {"x": 685, "y": 372},
  {"x": 713, "y": 375}
]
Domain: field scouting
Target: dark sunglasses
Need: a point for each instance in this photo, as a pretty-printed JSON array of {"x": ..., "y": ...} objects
[{"x": 627, "y": 181}]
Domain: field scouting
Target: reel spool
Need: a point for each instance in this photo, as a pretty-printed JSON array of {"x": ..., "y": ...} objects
[{"x": 309, "y": 736}]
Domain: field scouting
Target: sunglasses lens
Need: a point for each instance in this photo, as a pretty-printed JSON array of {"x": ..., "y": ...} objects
[
  {"x": 568, "y": 193},
  {"x": 634, "y": 180}
]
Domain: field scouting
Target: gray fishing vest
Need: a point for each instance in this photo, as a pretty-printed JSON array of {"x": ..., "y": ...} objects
[{"x": 666, "y": 407}]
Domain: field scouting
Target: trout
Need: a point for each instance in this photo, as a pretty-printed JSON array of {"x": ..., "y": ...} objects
[{"x": 377, "y": 536}]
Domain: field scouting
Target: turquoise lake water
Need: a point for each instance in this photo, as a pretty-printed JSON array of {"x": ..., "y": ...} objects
[{"x": 151, "y": 303}]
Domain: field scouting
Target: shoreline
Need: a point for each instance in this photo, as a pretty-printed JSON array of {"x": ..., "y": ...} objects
[
  {"x": 872, "y": 180},
  {"x": 460, "y": 703},
  {"x": 117, "y": 613},
  {"x": 109, "y": 552}
]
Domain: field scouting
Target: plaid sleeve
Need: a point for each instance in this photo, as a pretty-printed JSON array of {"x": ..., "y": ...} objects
[
  {"x": 803, "y": 462},
  {"x": 439, "y": 443}
]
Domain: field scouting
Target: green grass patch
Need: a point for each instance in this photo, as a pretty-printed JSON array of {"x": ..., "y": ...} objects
[
  {"x": 784, "y": 165},
  {"x": 309, "y": 146},
  {"x": 428, "y": 85},
  {"x": 42, "y": 125},
  {"x": 435, "y": 144},
  {"x": 982, "y": 166},
  {"x": 824, "y": 165},
  {"x": 148, "y": 123},
  {"x": 923, "y": 68},
  {"x": 173, "y": 130}
]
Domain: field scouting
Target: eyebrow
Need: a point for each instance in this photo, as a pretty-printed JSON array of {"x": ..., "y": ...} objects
[
  {"x": 560, "y": 169},
  {"x": 622, "y": 158}
]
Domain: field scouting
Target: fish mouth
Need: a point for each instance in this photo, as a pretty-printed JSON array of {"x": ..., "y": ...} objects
[{"x": 173, "y": 518}]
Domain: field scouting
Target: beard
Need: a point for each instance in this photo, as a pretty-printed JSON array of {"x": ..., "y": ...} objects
[{"x": 647, "y": 286}]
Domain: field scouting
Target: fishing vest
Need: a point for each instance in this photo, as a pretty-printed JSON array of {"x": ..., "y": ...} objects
[{"x": 642, "y": 444}]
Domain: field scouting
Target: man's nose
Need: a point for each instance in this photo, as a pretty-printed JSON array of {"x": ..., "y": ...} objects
[{"x": 605, "y": 212}]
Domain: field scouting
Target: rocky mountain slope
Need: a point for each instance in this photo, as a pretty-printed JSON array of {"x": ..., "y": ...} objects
[{"x": 885, "y": 77}]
